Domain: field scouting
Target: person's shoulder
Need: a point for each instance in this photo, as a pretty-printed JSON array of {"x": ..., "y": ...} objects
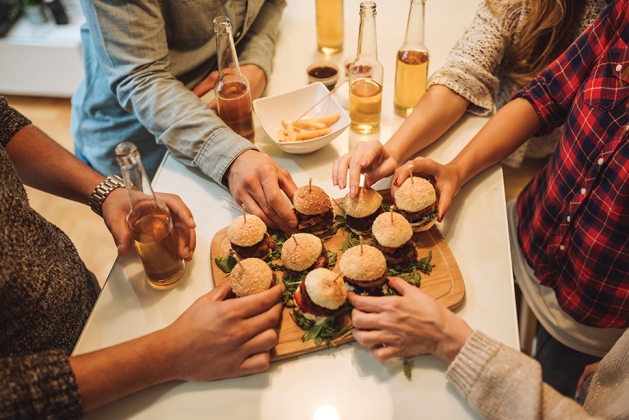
[{"x": 509, "y": 13}]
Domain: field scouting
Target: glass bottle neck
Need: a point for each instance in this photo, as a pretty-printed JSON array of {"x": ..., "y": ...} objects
[
  {"x": 137, "y": 183},
  {"x": 225, "y": 48},
  {"x": 367, "y": 41},
  {"x": 415, "y": 24}
]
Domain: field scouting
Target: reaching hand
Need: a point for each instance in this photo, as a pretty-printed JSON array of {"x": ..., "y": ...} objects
[
  {"x": 447, "y": 180},
  {"x": 253, "y": 73},
  {"x": 587, "y": 372},
  {"x": 407, "y": 325},
  {"x": 369, "y": 157},
  {"x": 115, "y": 210},
  {"x": 220, "y": 338},
  {"x": 258, "y": 181}
]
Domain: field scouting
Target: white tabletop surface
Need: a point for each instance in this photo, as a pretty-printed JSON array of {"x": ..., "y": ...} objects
[{"x": 341, "y": 383}]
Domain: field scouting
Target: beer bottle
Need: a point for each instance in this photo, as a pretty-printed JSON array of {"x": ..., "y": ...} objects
[
  {"x": 366, "y": 76},
  {"x": 411, "y": 65},
  {"x": 149, "y": 221},
  {"x": 233, "y": 96}
]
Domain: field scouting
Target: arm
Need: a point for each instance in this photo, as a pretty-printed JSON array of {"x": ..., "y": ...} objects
[
  {"x": 498, "y": 382},
  {"x": 512, "y": 125},
  {"x": 214, "y": 339},
  {"x": 467, "y": 81}
]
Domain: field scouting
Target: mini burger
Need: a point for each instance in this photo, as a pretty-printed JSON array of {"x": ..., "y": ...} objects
[
  {"x": 251, "y": 276},
  {"x": 313, "y": 210},
  {"x": 248, "y": 237},
  {"x": 303, "y": 252},
  {"x": 392, "y": 234},
  {"x": 416, "y": 200},
  {"x": 365, "y": 270},
  {"x": 320, "y": 294},
  {"x": 362, "y": 210}
]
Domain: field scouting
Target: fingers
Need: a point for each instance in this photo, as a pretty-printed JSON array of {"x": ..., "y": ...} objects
[
  {"x": 339, "y": 170},
  {"x": 382, "y": 353},
  {"x": 206, "y": 84},
  {"x": 255, "y": 364},
  {"x": 220, "y": 292},
  {"x": 277, "y": 208},
  {"x": 371, "y": 304},
  {"x": 269, "y": 300},
  {"x": 183, "y": 223}
]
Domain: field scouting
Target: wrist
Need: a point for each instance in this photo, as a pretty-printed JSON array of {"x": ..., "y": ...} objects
[
  {"x": 455, "y": 334},
  {"x": 102, "y": 191}
]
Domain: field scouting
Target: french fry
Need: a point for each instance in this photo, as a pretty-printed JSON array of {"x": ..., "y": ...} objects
[
  {"x": 309, "y": 125},
  {"x": 306, "y": 129},
  {"x": 327, "y": 120},
  {"x": 313, "y": 134}
]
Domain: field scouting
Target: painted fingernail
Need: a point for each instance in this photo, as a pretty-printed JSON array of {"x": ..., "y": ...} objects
[
  {"x": 352, "y": 191},
  {"x": 396, "y": 181}
]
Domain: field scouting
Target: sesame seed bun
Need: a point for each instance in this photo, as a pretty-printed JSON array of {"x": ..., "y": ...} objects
[
  {"x": 311, "y": 200},
  {"x": 246, "y": 233},
  {"x": 325, "y": 288},
  {"x": 300, "y": 251},
  {"x": 370, "y": 265},
  {"x": 389, "y": 233},
  {"x": 415, "y": 195},
  {"x": 251, "y": 276},
  {"x": 366, "y": 203}
]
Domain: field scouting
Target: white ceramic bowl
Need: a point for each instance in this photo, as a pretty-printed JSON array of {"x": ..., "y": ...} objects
[{"x": 290, "y": 106}]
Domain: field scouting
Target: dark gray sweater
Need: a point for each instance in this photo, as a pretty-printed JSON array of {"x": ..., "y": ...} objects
[{"x": 46, "y": 294}]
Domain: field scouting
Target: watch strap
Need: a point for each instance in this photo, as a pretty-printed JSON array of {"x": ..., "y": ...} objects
[{"x": 103, "y": 190}]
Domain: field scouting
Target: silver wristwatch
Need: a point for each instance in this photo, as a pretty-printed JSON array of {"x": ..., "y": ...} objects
[{"x": 101, "y": 192}]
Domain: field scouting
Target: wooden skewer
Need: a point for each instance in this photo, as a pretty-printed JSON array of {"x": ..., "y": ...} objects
[
  {"x": 337, "y": 277},
  {"x": 309, "y": 184},
  {"x": 360, "y": 241},
  {"x": 244, "y": 212},
  {"x": 295, "y": 239},
  {"x": 410, "y": 172},
  {"x": 319, "y": 101}
]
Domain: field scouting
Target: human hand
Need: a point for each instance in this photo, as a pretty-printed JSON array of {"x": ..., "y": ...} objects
[
  {"x": 258, "y": 181},
  {"x": 587, "y": 372},
  {"x": 370, "y": 157},
  {"x": 220, "y": 338},
  {"x": 254, "y": 74},
  {"x": 116, "y": 208},
  {"x": 446, "y": 178},
  {"x": 406, "y": 325}
]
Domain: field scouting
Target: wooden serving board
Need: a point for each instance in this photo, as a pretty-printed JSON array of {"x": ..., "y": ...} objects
[{"x": 444, "y": 283}]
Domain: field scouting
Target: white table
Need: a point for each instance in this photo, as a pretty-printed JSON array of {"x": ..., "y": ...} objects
[{"x": 346, "y": 380}]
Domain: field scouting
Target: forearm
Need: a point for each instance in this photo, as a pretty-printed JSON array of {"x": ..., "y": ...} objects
[
  {"x": 500, "y": 382},
  {"x": 44, "y": 164},
  {"x": 438, "y": 110},
  {"x": 512, "y": 125},
  {"x": 109, "y": 374}
]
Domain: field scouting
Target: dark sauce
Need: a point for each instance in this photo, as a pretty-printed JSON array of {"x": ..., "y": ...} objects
[{"x": 322, "y": 72}]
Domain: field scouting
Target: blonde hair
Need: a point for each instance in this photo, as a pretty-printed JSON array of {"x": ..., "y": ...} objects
[{"x": 543, "y": 35}]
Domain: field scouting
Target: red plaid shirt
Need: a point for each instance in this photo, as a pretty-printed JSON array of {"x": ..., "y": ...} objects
[{"x": 574, "y": 215}]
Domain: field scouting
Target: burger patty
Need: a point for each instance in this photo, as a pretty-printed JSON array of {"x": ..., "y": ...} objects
[
  {"x": 362, "y": 224},
  {"x": 416, "y": 216},
  {"x": 320, "y": 262},
  {"x": 259, "y": 250},
  {"x": 372, "y": 287},
  {"x": 307, "y": 305},
  {"x": 401, "y": 256},
  {"x": 314, "y": 222}
]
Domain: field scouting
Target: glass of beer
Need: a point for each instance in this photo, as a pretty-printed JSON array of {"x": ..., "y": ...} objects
[{"x": 329, "y": 14}]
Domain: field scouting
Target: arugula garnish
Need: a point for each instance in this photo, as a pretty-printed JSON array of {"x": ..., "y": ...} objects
[
  {"x": 408, "y": 369},
  {"x": 226, "y": 263},
  {"x": 278, "y": 237},
  {"x": 411, "y": 273},
  {"x": 332, "y": 256},
  {"x": 327, "y": 330}
]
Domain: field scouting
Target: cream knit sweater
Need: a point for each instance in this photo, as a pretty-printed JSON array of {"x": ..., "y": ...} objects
[{"x": 502, "y": 383}]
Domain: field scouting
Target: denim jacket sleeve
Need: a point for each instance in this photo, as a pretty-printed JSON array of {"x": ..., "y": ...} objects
[{"x": 153, "y": 52}]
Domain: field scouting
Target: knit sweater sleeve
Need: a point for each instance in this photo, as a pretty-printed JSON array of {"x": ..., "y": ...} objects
[
  {"x": 501, "y": 383},
  {"x": 471, "y": 67},
  {"x": 11, "y": 121},
  {"x": 38, "y": 386}
]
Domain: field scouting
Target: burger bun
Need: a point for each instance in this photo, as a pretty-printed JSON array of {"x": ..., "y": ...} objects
[
  {"x": 311, "y": 200},
  {"x": 364, "y": 265},
  {"x": 300, "y": 251},
  {"x": 392, "y": 230},
  {"x": 326, "y": 288},
  {"x": 246, "y": 231},
  {"x": 251, "y": 276}
]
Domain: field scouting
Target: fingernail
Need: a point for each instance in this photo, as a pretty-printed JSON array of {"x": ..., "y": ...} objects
[
  {"x": 186, "y": 251},
  {"x": 396, "y": 181},
  {"x": 292, "y": 223},
  {"x": 334, "y": 181},
  {"x": 352, "y": 191}
]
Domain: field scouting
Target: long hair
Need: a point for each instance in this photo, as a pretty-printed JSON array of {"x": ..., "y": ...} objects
[{"x": 543, "y": 35}]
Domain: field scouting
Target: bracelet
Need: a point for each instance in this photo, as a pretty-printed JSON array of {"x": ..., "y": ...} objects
[{"x": 101, "y": 192}]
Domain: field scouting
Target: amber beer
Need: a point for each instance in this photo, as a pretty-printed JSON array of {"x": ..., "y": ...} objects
[
  {"x": 329, "y": 15},
  {"x": 155, "y": 240},
  {"x": 365, "y": 103},
  {"x": 411, "y": 74},
  {"x": 234, "y": 108}
]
